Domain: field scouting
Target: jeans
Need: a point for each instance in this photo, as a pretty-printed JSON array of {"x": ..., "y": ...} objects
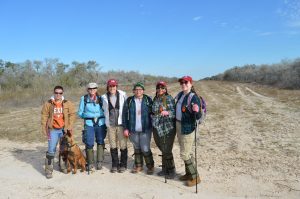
[
  {"x": 141, "y": 140},
  {"x": 94, "y": 131},
  {"x": 54, "y": 135}
]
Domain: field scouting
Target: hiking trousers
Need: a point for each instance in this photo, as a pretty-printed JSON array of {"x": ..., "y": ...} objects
[
  {"x": 186, "y": 142},
  {"x": 141, "y": 140},
  {"x": 115, "y": 136},
  {"x": 91, "y": 132}
]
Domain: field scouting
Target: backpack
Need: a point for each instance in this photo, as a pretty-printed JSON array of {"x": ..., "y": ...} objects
[
  {"x": 99, "y": 98},
  {"x": 189, "y": 105}
]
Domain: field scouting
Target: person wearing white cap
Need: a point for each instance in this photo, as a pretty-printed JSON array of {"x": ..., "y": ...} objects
[{"x": 90, "y": 109}]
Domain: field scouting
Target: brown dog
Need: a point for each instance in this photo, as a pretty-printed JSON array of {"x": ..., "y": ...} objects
[{"x": 74, "y": 155}]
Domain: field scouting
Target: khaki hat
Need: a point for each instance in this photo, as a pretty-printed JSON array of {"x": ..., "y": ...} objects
[{"x": 92, "y": 85}]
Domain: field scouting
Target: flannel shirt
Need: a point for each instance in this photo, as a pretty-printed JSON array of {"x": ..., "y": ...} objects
[{"x": 163, "y": 125}]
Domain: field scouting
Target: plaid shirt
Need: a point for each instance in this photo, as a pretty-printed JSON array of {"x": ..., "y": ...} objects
[{"x": 163, "y": 125}]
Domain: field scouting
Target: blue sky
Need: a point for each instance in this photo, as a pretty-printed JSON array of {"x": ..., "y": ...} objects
[{"x": 162, "y": 37}]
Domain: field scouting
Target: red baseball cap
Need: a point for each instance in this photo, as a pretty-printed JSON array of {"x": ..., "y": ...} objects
[
  {"x": 112, "y": 82},
  {"x": 186, "y": 78},
  {"x": 162, "y": 83}
]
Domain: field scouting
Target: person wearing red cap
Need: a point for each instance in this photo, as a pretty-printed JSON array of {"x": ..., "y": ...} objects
[
  {"x": 113, "y": 102},
  {"x": 164, "y": 132},
  {"x": 187, "y": 112}
]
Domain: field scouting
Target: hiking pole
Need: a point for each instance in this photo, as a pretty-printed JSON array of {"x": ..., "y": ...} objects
[
  {"x": 165, "y": 169},
  {"x": 196, "y": 165}
]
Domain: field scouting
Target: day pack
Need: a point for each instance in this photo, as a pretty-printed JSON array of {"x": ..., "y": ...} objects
[{"x": 189, "y": 105}]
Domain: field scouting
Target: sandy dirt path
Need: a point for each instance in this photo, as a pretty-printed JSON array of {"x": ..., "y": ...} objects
[{"x": 249, "y": 147}]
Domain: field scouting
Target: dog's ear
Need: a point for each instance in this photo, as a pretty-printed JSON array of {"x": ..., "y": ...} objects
[{"x": 69, "y": 133}]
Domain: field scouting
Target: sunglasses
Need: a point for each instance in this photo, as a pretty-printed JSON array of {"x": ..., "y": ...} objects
[
  {"x": 92, "y": 88},
  {"x": 184, "y": 82},
  {"x": 57, "y": 93},
  {"x": 160, "y": 87}
]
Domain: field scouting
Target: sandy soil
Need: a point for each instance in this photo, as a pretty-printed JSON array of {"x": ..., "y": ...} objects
[{"x": 249, "y": 147}]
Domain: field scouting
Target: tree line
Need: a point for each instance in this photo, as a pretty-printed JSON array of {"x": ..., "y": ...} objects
[
  {"x": 45, "y": 74},
  {"x": 285, "y": 74}
]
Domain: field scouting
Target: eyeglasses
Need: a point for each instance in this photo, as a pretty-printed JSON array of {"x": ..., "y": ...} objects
[
  {"x": 92, "y": 88},
  {"x": 57, "y": 93},
  {"x": 184, "y": 82},
  {"x": 138, "y": 89}
]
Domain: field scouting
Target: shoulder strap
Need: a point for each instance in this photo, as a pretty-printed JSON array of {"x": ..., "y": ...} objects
[
  {"x": 189, "y": 100},
  {"x": 129, "y": 100}
]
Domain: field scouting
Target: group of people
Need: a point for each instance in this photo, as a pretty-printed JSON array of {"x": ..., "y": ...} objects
[{"x": 135, "y": 117}]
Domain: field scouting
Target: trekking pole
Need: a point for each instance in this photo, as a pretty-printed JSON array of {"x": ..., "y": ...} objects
[
  {"x": 196, "y": 165},
  {"x": 165, "y": 169}
]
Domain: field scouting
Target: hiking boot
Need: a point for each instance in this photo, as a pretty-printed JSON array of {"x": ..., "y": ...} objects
[
  {"x": 122, "y": 169},
  {"x": 100, "y": 156},
  {"x": 90, "y": 167},
  {"x": 149, "y": 162},
  {"x": 114, "y": 160},
  {"x": 137, "y": 169},
  {"x": 49, "y": 166},
  {"x": 185, "y": 177},
  {"x": 138, "y": 161},
  {"x": 90, "y": 159},
  {"x": 150, "y": 171},
  {"x": 99, "y": 165},
  {"x": 113, "y": 169},
  {"x": 161, "y": 173},
  {"x": 171, "y": 174},
  {"x": 193, "y": 182},
  {"x": 123, "y": 160}
]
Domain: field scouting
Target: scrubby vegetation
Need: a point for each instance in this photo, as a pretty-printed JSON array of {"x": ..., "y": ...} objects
[
  {"x": 32, "y": 81},
  {"x": 283, "y": 75}
]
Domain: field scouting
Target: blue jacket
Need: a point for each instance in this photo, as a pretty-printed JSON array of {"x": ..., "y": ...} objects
[
  {"x": 129, "y": 114},
  {"x": 90, "y": 110},
  {"x": 188, "y": 118}
]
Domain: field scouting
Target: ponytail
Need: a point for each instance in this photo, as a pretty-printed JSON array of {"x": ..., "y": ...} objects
[{"x": 193, "y": 90}]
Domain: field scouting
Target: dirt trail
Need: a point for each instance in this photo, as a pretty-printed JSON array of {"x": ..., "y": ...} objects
[{"x": 249, "y": 147}]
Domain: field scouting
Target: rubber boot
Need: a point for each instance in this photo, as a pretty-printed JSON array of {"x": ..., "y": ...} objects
[
  {"x": 194, "y": 173},
  {"x": 123, "y": 160},
  {"x": 49, "y": 165},
  {"x": 170, "y": 166},
  {"x": 114, "y": 160},
  {"x": 138, "y": 161},
  {"x": 163, "y": 167},
  {"x": 149, "y": 162},
  {"x": 90, "y": 159},
  {"x": 100, "y": 156}
]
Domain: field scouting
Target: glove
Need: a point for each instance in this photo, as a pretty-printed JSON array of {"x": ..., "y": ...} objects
[
  {"x": 126, "y": 133},
  {"x": 195, "y": 108},
  {"x": 164, "y": 113}
]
